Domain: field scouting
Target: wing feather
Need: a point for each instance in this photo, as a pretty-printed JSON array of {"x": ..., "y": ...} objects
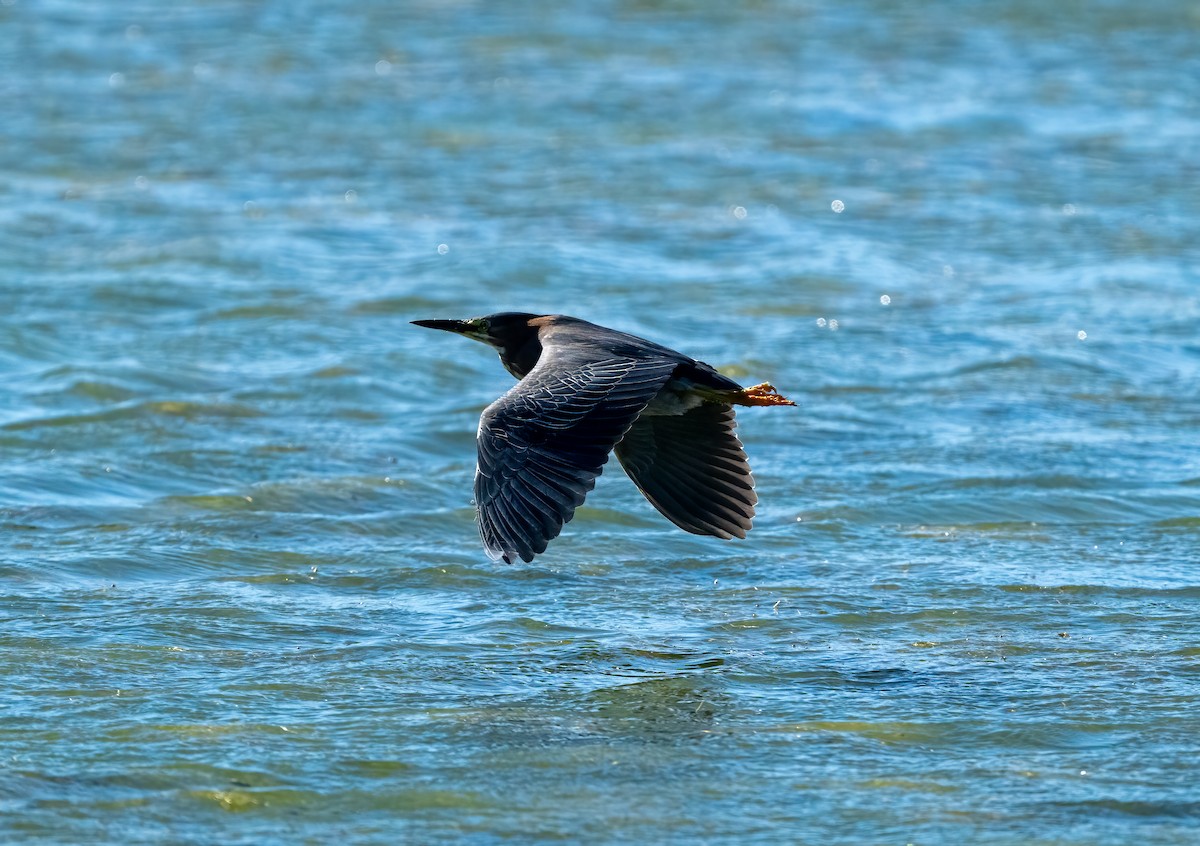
[
  {"x": 693, "y": 469},
  {"x": 542, "y": 444}
]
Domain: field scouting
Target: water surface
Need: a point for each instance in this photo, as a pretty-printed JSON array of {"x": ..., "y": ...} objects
[{"x": 242, "y": 595}]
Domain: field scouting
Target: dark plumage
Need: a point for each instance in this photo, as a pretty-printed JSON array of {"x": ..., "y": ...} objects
[{"x": 586, "y": 391}]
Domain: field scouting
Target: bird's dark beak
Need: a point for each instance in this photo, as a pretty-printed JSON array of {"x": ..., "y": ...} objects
[
  {"x": 460, "y": 327},
  {"x": 476, "y": 329}
]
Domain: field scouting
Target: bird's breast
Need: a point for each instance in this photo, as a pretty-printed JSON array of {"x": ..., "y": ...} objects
[{"x": 678, "y": 396}]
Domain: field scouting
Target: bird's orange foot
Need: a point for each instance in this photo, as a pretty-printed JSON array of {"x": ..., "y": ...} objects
[{"x": 764, "y": 394}]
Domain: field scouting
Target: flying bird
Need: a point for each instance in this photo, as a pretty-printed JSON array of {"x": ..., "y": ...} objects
[{"x": 586, "y": 391}]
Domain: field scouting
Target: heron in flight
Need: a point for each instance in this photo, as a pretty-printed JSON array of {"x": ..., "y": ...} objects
[{"x": 586, "y": 391}]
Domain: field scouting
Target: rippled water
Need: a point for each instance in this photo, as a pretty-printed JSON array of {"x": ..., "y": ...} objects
[{"x": 242, "y": 595}]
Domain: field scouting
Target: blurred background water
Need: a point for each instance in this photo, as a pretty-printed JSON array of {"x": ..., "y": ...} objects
[{"x": 242, "y": 595}]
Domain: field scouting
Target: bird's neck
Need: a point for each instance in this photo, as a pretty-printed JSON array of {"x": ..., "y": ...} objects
[{"x": 519, "y": 359}]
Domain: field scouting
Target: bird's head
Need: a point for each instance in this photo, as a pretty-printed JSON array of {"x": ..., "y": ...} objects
[
  {"x": 513, "y": 334},
  {"x": 506, "y": 329}
]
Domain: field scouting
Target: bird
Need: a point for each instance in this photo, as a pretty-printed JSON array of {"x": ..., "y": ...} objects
[{"x": 585, "y": 391}]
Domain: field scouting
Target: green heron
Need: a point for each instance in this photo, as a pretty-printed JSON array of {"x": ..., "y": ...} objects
[{"x": 586, "y": 391}]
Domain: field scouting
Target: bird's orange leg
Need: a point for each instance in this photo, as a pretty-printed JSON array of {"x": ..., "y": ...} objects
[{"x": 764, "y": 394}]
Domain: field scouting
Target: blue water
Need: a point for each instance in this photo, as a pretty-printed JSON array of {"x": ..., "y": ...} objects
[{"x": 242, "y": 598}]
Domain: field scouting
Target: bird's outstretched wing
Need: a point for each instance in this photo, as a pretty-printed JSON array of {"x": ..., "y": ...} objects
[
  {"x": 542, "y": 444},
  {"x": 693, "y": 469}
]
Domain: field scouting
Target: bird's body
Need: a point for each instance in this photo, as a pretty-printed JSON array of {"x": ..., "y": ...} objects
[{"x": 585, "y": 391}]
